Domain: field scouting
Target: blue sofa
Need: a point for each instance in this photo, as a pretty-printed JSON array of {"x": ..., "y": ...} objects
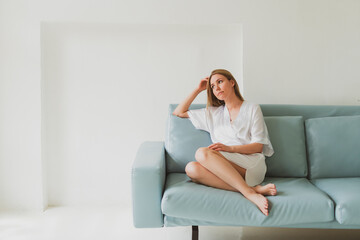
[{"x": 316, "y": 168}]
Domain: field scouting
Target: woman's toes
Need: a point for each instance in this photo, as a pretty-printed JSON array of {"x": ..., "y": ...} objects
[
  {"x": 266, "y": 212},
  {"x": 272, "y": 189}
]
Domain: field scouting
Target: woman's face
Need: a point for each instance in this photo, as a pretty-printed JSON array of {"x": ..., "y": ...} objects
[{"x": 221, "y": 86}]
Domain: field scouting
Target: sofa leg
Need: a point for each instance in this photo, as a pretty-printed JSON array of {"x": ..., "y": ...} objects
[{"x": 195, "y": 233}]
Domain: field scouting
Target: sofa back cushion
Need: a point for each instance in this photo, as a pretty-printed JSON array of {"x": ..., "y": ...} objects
[
  {"x": 333, "y": 146},
  {"x": 182, "y": 140},
  {"x": 287, "y": 136}
]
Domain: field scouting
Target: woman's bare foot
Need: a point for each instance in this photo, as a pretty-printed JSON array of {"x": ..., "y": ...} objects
[
  {"x": 267, "y": 190},
  {"x": 260, "y": 201}
]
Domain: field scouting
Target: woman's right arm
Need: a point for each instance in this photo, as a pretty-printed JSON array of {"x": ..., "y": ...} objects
[{"x": 182, "y": 108}]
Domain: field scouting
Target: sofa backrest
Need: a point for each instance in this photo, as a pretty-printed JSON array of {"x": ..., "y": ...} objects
[
  {"x": 287, "y": 133},
  {"x": 333, "y": 146},
  {"x": 182, "y": 140}
]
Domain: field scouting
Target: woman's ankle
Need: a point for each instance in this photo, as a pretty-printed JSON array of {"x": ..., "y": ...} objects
[{"x": 249, "y": 192}]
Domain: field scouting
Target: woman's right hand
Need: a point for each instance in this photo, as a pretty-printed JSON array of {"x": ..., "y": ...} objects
[
  {"x": 203, "y": 84},
  {"x": 182, "y": 108}
]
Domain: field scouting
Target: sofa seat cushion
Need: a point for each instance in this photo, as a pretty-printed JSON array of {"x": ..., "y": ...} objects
[
  {"x": 345, "y": 194},
  {"x": 333, "y": 146},
  {"x": 298, "y": 201}
]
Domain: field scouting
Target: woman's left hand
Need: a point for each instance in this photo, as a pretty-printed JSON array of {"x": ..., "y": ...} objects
[{"x": 220, "y": 147}]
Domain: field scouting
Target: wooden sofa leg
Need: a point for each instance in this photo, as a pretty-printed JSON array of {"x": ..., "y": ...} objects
[{"x": 195, "y": 233}]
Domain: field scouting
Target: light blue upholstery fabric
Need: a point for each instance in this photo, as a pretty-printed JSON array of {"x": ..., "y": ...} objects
[
  {"x": 333, "y": 146},
  {"x": 298, "y": 201},
  {"x": 346, "y": 195},
  {"x": 148, "y": 179},
  {"x": 182, "y": 140},
  {"x": 309, "y": 111},
  {"x": 287, "y": 136}
]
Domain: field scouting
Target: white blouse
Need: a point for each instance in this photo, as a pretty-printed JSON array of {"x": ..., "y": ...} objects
[{"x": 248, "y": 127}]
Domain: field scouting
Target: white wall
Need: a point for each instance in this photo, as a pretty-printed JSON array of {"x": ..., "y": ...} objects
[
  {"x": 105, "y": 85},
  {"x": 20, "y": 108},
  {"x": 298, "y": 52},
  {"x": 303, "y": 52}
]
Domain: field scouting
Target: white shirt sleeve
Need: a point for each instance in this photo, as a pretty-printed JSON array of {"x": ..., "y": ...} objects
[
  {"x": 258, "y": 129},
  {"x": 198, "y": 118}
]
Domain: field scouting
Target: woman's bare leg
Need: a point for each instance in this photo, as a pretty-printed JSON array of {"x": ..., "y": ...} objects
[
  {"x": 222, "y": 168},
  {"x": 268, "y": 189},
  {"x": 200, "y": 174}
]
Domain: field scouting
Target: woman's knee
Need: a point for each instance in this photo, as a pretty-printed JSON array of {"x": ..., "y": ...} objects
[
  {"x": 193, "y": 170},
  {"x": 202, "y": 154}
]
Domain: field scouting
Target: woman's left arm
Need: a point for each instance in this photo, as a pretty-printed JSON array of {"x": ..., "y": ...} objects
[{"x": 243, "y": 149}]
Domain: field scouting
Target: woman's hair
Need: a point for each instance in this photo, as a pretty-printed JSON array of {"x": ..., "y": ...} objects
[{"x": 212, "y": 99}]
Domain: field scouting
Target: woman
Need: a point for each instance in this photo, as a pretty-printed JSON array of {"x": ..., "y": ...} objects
[{"x": 236, "y": 159}]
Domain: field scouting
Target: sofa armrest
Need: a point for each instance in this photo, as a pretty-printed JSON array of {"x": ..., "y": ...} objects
[{"x": 148, "y": 179}]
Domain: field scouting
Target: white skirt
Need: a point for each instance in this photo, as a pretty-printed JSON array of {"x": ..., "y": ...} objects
[{"x": 253, "y": 163}]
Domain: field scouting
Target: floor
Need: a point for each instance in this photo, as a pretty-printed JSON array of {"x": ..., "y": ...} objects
[{"x": 110, "y": 223}]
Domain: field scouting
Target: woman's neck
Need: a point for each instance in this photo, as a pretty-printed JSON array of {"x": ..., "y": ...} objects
[{"x": 234, "y": 103}]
